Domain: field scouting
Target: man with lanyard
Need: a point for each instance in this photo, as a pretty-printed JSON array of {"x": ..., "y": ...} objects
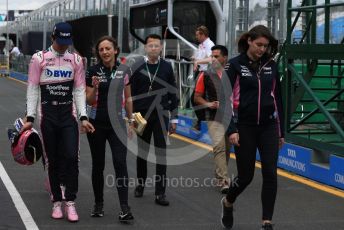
[
  {"x": 154, "y": 92},
  {"x": 56, "y": 84},
  {"x": 207, "y": 94}
]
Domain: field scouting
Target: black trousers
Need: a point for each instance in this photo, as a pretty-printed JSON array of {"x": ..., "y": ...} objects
[
  {"x": 157, "y": 128},
  {"x": 61, "y": 144},
  {"x": 266, "y": 139},
  {"x": 97, "y": 142}
]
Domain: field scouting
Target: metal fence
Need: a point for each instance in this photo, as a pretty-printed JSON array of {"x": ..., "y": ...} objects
[
  {"x": 20, "y": 63},
  {"x": 4, "y": 65}
]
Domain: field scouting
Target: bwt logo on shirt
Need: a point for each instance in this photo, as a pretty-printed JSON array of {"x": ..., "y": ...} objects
[{"x": 58, "y": 73}]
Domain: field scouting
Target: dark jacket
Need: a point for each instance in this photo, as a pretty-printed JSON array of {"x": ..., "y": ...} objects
[
  {"x": 163, "y": 93},
  {"x": 99, "y": 112},
  {"x": 256, "y": 92}
]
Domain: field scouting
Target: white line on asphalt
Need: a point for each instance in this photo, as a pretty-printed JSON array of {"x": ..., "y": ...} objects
[{"x": 17, "y": 200}]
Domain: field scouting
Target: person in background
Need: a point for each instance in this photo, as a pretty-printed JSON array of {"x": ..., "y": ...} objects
[
  {"x": 202, "y": 56},
  {"x": 258, "y": 119},
  {"x": 3, "y": 50},
  {"x": 201, "y": 59},
  {"x": 98, "y": 80},
  {"x": 154, "y": 93},
  {"x": 14, "y": 52},
  {"x": 208, "y": 88},
  {"x": 56, "y": 83}
]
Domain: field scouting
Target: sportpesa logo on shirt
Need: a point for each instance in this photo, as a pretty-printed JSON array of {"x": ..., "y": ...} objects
[{"x": 58, "y": 73}]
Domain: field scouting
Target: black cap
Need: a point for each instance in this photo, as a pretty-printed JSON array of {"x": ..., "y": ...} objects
[{"x": 63, "y": 33}]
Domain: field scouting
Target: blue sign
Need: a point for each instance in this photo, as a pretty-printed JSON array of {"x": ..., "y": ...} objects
[
  {"x": 295, "y": 159},
  {"x": 320, "y": 173},
  {"x": 185, "y": 128},
  {"x": 337, "y": 171}
]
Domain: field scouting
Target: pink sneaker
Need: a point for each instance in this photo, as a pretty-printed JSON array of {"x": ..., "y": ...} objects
[
  {"x": 57, "y": 210},
  {"x": 70, "y": 211}
]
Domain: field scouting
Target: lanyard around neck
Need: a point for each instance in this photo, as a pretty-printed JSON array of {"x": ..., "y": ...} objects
[{"x": 151, "y": 79}]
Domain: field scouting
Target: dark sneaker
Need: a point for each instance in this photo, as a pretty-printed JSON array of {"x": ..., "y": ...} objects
[
  {"x": 125, "y": 216},
  {"x": 267, "y": 226},
  {"x": 98, "y": 210},
  {"x": 161, "y": 200},
  {"x": 224, "y": 189},
  {"x": 227, "y": 215},
  {"x": 139, "y": 191}
]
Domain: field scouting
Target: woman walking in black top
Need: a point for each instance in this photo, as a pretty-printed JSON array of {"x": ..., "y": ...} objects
[
  {"x": 257, "y": 120},
  {"x": 98, "y": 80}
]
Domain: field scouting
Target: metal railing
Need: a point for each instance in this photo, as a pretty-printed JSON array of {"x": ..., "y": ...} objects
[
  {"x": 20, "y": 64},
  {"x": 4, "y": 65},
  {"x": 183, "y": 71},
  {"x": 312, "y": 79}
]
